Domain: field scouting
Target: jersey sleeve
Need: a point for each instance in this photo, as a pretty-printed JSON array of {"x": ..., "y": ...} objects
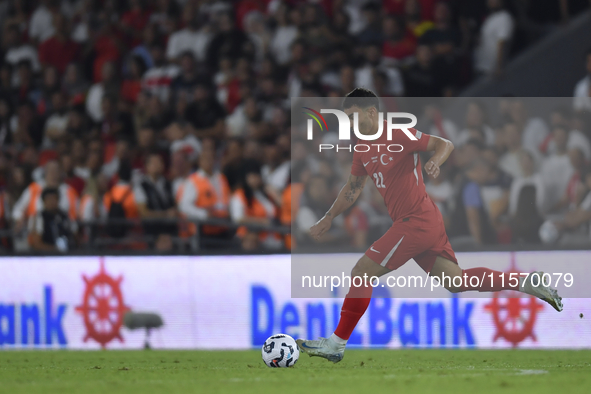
[
  {"x": 420, "y": 145},
  {"x": 357, "y": 167}
]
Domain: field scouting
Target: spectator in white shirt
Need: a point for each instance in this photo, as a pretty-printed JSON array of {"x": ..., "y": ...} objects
[
  {"x": 510, "y": 162},
  {"x": 495, "y": 35},
  {"x": 41, "y": 24},
  {"x": 275, "y": 172},
  {"x": 194, "y": 38},
  {"x": 476, "y": 127},
  {"x": 364, "y": 76},
  {"x": 254, "y": 26},
  {"x": 556, "y": 170},
  {"x": 94, "y": 99},
  {"x": 157, "y": 79},
  {"x": 16, "y": 51},
  {"x": 534, "y": 129},
  {"x": 182, "y": 140},
  {"x": 284, "y": 35},
  {"x": 436, "y": 124},
  {"x": 582, "y": 94},
  {"x": 56, "y": 124},
  {"x": 575, "y": 189},
  {"x": 180, "y": 169},
  {"x": 440, "y": 190},
  {"x": 576, "y": 138}
]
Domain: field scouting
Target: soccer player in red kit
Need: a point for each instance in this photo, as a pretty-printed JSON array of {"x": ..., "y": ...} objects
[{"x": 417, "y": 231}]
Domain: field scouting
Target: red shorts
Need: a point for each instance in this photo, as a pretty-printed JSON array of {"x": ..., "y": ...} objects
[{"x": 412, "y": 238}]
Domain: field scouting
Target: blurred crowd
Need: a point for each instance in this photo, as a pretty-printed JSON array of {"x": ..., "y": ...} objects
[
  {"x": 513, "y": 177},
  {"x": 179, "y": 109}
]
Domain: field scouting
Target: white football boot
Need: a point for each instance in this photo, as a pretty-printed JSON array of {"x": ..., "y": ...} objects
[
  {"x": 544, "y": 293},
  {"x": 323, "y": 347}
]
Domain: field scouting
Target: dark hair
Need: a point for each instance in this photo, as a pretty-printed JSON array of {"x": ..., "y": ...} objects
[
  {"x": 362, "y": 98},
  {"x": 371, "y": 7},
  {"x": 250, "y": 166},
  {"x": 141, "y": 63},
  {"x": 24, "y": 63},
  {"x": 157, "y": 45},
  {"x": 188, "y": 54},
  {"x": 49, "y": 191},
  {"x": 124, "y": 171}
]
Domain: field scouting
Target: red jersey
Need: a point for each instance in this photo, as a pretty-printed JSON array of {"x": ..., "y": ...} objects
[{"x": 397, "y": 175}]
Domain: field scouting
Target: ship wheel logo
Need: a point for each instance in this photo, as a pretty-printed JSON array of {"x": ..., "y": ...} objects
[
  {"x": 514, "y": 318},
  {"x": 102, "y": 307}
]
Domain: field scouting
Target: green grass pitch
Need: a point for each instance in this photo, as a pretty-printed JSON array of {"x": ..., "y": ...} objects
[{"x": 361, "y": 372}]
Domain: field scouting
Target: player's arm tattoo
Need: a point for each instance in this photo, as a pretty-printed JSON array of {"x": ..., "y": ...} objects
[{"x": 356, "y": 184}]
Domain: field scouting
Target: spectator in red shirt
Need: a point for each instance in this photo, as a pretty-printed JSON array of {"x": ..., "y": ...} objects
[
  {"x": 59, "y": 50},
  {"x": 398, "y": 42},
  {"x": 134, "y": 21},
  {"x": 108, "y": 48},
  {"x": 132, "y": 86},
  {"x": 394, "y": 7}
]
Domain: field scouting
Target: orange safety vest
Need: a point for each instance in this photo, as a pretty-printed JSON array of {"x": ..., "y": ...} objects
[
  {"x": 35, "y": 193},
  {"x": 116, "y": 194},
  {"x": 207, "y": 197},
  {"x": 257, "y": 210},
  {"x": 290, "y": 202}
]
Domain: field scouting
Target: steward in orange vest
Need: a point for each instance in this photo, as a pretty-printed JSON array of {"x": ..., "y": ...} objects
[
  {"x": 121, "y": 194},
  {"x": 29, "y": 203},
  {"x": 204, "y": 194},
  {"x": 251, "y": 205},
  {"x": 290, "y": 203}
]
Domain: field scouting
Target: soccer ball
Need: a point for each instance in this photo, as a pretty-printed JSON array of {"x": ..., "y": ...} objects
[{"x": 280, "y": 351}]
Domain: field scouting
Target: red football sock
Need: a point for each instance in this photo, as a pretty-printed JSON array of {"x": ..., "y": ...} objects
[
  {"x": 499, "y": 280},
  {"x": 354, "y": 306}
]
